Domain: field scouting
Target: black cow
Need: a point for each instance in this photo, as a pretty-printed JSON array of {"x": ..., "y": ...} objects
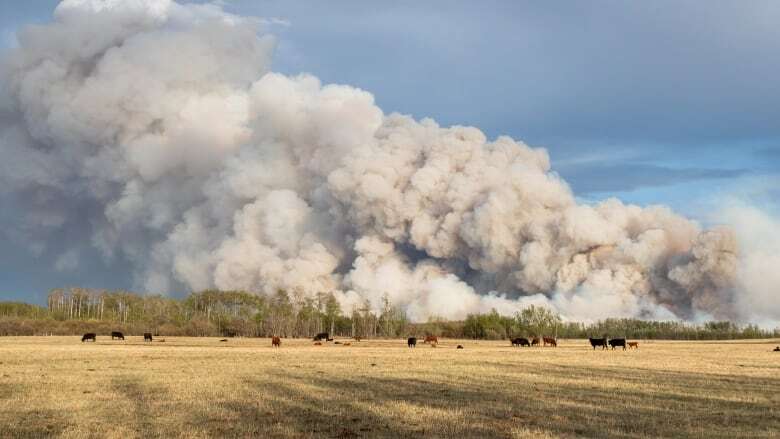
[
  {"x": 598, "y": 342},
  {"x": 618, "y": 342},
  {"x": 322, "y": 336},
  {"x": 89, "y": 336},
  {"x": 412, "y": 342},
  {"x": 459, "y": 347},
  {"x": 118, "y": 335},
  {"x": 147, "y": 336},
  {"x": 777, "y": 349},
  {"x": 520, "y": 341}
]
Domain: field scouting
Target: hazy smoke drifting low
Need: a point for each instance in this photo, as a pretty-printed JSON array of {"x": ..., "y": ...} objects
[{"x": 157, "y": 132}]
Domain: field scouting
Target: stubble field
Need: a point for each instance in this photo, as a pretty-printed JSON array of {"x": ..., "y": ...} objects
[{"x": 201, "y": 387}]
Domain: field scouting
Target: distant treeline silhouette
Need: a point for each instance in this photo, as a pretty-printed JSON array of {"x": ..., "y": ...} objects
[{"x": 74, "y": 311}]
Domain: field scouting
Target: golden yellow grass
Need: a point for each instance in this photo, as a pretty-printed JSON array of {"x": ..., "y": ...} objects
[{"x": 201, "y": 387}]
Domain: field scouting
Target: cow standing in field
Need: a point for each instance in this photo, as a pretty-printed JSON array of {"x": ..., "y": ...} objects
[
  {"x": 411, "y": 342},
  {"x": 118, "y": 335},
  {"x": 357, "y": 338},
  {"x": 276, "y": 342},
  {"x": 89, "y": 336},
  {"x": 147, "y": 336},
  {"x": 598, "y": 342},
  {"x": 535, "y": 341},
  {"x": 633, "y": 344},
  {"x": 322, "y": 336},
  {"x": 550, "y": 341},
  {"x": 615, "y": 342},
  {"x": 431, "y": 339},
  {"x": 520, "y": 341}
]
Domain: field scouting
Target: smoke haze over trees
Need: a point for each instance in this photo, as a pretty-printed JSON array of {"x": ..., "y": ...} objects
[
  {"x": 156, "y": 134},
  {"x": 75, "y": 311}
]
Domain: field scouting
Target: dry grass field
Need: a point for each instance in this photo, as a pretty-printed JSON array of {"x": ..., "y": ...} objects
[{"x": 201, "y": 387}]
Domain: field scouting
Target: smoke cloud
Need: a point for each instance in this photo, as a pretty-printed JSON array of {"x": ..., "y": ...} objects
[{"x": 155, "y": 132}]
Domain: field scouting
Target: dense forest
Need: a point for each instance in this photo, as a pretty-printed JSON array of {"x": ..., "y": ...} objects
[{"x": 74, "y": 311}]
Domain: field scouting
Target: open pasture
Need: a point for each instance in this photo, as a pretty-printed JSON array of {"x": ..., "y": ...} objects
[{"x": 201, "y": 387}]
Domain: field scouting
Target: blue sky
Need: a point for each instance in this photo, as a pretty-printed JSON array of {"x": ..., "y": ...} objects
[{"x": 653, "y": 102}]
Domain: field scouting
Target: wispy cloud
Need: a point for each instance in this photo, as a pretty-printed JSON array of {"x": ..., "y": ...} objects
[
  {"x": 621, "y": 177},
  {"x": 8, "y": 39}
]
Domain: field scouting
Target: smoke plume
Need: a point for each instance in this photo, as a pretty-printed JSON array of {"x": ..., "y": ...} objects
[{"x": 156, "y": 133}]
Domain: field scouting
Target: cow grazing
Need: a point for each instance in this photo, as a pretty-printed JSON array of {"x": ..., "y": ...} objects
[
  {"x": 633, "y": 344},
  {"x": 520, "y": 341},
  {"x": 322, "y": 336},
  {"x": 89, "y": 336},
  {"x": 777, "y": 349},
  {"x": 147, "y": 336},
  {"x": 276, "y": 342},
  {"x": 615, "y": 342},
  {"x": 117, "y": 335},
  {"x": 459, "y": 347},
  {"x": 598, "y": 342},
  {"x": 431, "y": 339},
  {"x": 550, "y": 341},
  {"x": 412, "y": 342},
  {"x": 535, "y": 341}
]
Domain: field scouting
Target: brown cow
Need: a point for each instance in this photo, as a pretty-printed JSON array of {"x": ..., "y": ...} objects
[
  {"x": 347, "y": 344},
  {"x": 357, "y": 338},
  {"x": 317, "y": 343},
  {"x": 550, "y": 341},
  {"x": 431, "y": 339},
  {"x": 535, "y": 341},
  {"x": 276, "y": 342},
  {"x": 633, "y": 344}
]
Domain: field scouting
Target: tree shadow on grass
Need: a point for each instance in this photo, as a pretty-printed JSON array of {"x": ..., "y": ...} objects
[
  {"x": 22, "y": 423},
  {"x": 144, "y": 400},
  {"x": 291, "y": 404}
]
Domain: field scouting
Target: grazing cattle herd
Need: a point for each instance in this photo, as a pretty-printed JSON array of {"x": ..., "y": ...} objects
[
  {"x": 616, "y": 342},
  {"x": 433, "y": 340},
  {"x": 322, "y": 336},
  {"x": 520, "y": 341}
]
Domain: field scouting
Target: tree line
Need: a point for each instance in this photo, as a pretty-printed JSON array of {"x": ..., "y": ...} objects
[{"x": 74, "y": 311}]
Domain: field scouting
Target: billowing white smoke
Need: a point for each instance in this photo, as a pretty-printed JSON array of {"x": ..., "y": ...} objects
[{"x": 157, "y": 130}]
